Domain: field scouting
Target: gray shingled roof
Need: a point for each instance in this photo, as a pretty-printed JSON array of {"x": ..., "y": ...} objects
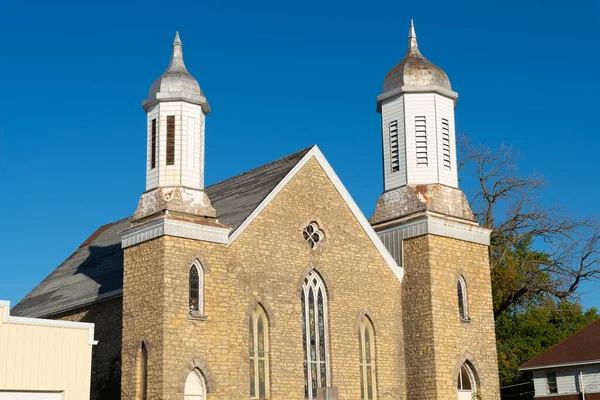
[{"x": 95, "y": 270}]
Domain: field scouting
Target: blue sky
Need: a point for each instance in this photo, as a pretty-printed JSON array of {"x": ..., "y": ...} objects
[{"x": 279, "y": 76}]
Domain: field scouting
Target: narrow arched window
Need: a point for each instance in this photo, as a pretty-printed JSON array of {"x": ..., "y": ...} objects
[
  {"x": 461, "y": 289},
  {"x": 314, "y": 335},
  {"x": 196, "y": 290},
  {"x": 195, "y": 386},
  {"x": 466, "y": 382},
  {"x": 259, "y": 354},
  {"x": 142, "y": 372},
  {"x": 366, "y": 340}
]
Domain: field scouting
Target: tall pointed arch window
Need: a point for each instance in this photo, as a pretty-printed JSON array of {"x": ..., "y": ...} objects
[
  {"x": 314, "y": 335},
  {"x": 466, "y": 382},
  {"x": 195, "y": 386},
  {"x": 196, "y": 282},
  {"x": 461, "y": 289},
  {"x": 366, "y": 340},
  {"x": 142, "y": 372},
  {"x": 259, "y": 354}
]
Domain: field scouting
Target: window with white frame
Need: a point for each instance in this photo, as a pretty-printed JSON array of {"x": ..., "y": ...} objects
[
  {"x": 259, "y": 354},
  {"x": 551, "y": 382},
  {"x": 196, "y": 283},
  {"x": 313, "y": 235},
  {"x": 461, "y": 289},
  {"x": 314, "y": 335},
  {"x": 195, "y": 386},
  {"x": 466, "y": 382},
  {"x": 366, "y": 340}
]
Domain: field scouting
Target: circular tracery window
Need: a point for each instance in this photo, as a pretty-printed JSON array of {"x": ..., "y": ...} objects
[{"x": 313, "y": 235}]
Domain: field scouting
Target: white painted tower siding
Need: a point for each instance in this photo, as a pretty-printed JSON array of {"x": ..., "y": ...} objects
[
  {"x": 426, "y": 140},
  {"x": 188, "y": 169}
]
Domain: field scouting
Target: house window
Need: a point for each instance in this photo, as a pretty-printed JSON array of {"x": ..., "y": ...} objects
[
  {"x": 461, "y": 289},
  {"x": 313, "y": 235},
  {"x": 195, "y": 386},
  {"x": 446, "y": 143},
  {"x": 142, "y": 372},
  {"x": 466, "y": 382},
  {"x": 394, "y": 150},
  {"x": 259, "y": 354},
  {"x": 314, "y": 335},
  {"x": 366, "y": 340},
  {"x": 196, "y": 281},
  {"x": 421, "y": 140},
  {"x": 170, "y": 140},
  {"x": 551, "y": 381},
  {"x": 153, "y": 145}
]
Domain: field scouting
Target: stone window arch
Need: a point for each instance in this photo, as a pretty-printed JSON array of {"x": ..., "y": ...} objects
[
  {"x": 195, "y": 386},
  {"x": 259, "y": 353},
  {"x": 466, "y": 381},
  {"x": 366, "y": 341},
  {"x": 463, "y": 304},
  {"x": 315, "y": 334},
  {"x": 142, "y": 372},
  {"x": 196, "y": 290}
]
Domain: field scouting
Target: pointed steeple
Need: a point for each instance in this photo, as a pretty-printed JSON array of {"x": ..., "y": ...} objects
[
  {"x": 177, "y": 64},
  {"x": 412, "y": 37}
]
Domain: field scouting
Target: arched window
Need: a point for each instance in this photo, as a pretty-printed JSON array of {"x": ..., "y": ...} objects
[
  {"x": 196, "y": 290},
  {"x": 314, "y": 335},
  {"x": 466, "y": 382},
  {"x": 461, "y": 289},
  {"x": 259, "y": 354},
  {"x": 366, "y": 341},
  {"x": 142, "y": 372},
  {"x": 195, "y": 386}
]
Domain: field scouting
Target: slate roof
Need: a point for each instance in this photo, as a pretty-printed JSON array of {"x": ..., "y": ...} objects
[
  {"x": 95, "y": 270},
  {"x": 581, "y": 347}
]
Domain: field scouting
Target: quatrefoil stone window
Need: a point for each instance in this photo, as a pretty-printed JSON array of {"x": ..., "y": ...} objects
[{"x": 313, "y": 235}]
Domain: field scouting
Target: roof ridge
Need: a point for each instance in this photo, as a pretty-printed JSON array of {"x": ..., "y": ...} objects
[{"x": 303, "y": 151}]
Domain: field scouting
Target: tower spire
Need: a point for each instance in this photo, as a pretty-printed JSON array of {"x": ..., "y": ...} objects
[
  {"x": 177, "y": 63},
  {"x": 412, "y": 37}
]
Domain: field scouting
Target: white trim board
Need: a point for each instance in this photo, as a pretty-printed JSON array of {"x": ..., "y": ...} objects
[
  {"x": 9, "y": 319},
  {"x": 337, "y": 183},
  {"x": 568, "y": 364}
]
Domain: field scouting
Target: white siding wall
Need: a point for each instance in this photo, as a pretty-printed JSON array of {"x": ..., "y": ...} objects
[
  {"x": 393, "y": 110},
  {"x": 405, "y": 109},
  {"x": 151, "y": 173},
  {"x": 568, "y": 380},
  {"x": 444, "y": 108},
  {"x": 189, "y": 132}
]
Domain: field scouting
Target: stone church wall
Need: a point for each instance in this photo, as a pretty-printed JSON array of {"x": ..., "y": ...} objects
[
  {"x": 266, "y": 265},
  {"x": 106, "y": 356},
  {"x": 437, "y": 340}
]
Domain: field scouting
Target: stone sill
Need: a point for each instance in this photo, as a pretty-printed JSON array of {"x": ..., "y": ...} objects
[
  {"x": 197, "y": 317},
  {"x": 465, "y": 320}
]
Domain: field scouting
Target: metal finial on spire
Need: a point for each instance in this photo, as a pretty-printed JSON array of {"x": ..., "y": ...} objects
[
  {"x": 177, "y": 40},
  {"x": 412, "y": 36}
]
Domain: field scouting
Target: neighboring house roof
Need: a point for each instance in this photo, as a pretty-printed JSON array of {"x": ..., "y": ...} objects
[
  {"x": 95, "y": 270},
  {"x": 582, "y": 347}
]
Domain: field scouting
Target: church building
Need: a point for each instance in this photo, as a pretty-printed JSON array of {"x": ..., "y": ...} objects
[{"x": 272, "y": 284}]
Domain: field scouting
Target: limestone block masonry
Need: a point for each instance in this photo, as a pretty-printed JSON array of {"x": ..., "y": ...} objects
[
  {"x": 265, "y": 265},
  {"x": 437, "y": 341}
]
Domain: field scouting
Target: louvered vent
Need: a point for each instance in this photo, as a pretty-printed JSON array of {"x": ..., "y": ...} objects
[
  {"x": 394, "y": 151},
  {"x": 170, "y": 140},
  {"x": 153, "y": 145},
  {"x": 421, "y": 140},
  {"x": 446, "y": 143}
]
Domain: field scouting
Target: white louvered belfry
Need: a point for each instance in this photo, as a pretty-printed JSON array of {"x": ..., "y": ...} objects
[
  {"x": 176, "y": 110},
  {"x": 417, "y": 121}
]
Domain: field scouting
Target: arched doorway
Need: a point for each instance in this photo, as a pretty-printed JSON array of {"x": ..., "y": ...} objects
[
  {"x": 195, "y": 386},
  {"x": 466, "y": 382}
]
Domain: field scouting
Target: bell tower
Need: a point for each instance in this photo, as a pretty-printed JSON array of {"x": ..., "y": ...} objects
[{"x": 426, "y": 223}]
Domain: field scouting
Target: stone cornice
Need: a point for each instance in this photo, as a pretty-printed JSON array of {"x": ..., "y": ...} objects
[{"x": 170, "y": 227}]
